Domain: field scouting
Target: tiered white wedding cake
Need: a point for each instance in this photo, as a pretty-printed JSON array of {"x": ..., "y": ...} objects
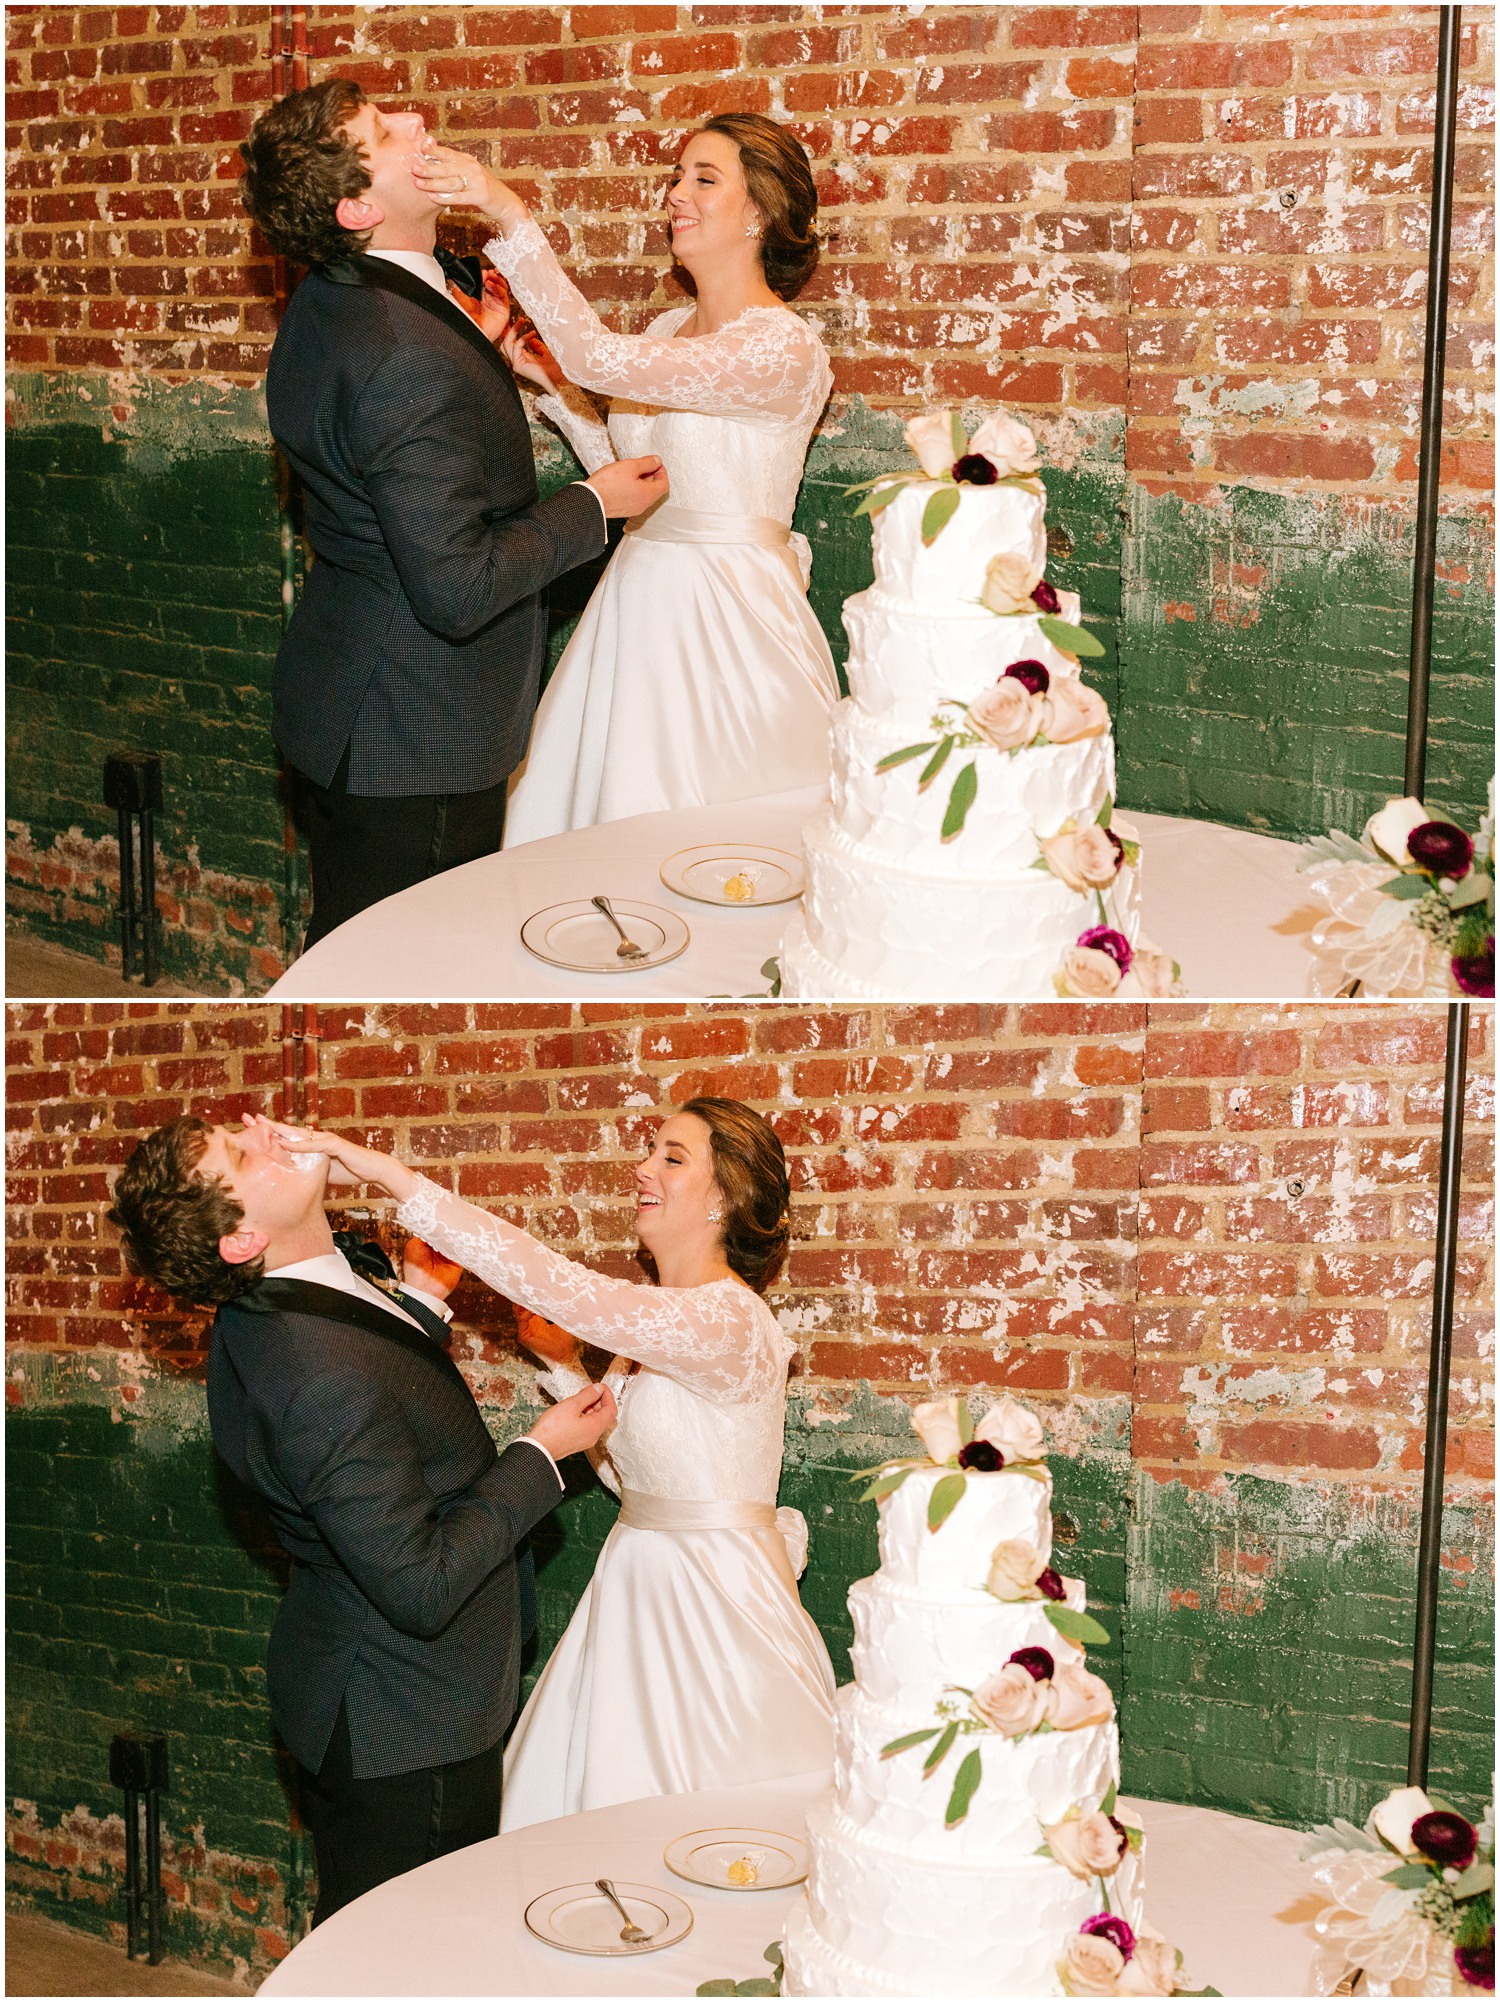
[
  {"x": 970, "y": 1844},
  {"x": 970, "y": 848}
]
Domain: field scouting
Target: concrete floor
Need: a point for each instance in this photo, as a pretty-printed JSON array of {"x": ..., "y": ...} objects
[
  {"x": 46, "y": 1959},
  {"x": 36, "y": 971}
]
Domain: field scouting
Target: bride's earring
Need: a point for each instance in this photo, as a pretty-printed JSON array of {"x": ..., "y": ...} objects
[
  {"x": 753, "y": 229},
  {"x": 716, "y": 1214}
]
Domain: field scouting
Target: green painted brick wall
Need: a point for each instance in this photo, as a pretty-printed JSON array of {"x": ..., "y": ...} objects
[
  {"x": 1260, "y": 1649},
  {"x": 1255, "y": 649}
]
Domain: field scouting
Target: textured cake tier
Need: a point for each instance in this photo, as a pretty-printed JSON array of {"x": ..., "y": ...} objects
[
  {"x": 868, "y": 929},
  {"x": 1021, "y": 794},
  {"x": 910, "y": 1644},
  {"x": 943, "y": 1928},
  {"x": 1028, "y": 1783},
  {"x": 993, "y": 1508},
  {"x": 988, "y": 522},
  {"x": 904, "y": 658}
]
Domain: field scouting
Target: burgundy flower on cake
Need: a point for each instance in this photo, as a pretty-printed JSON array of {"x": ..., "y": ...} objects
[
  {"x": 1440, "y": 848},
  {"x": 980, "y": 1457},
  {"x": 1031, "y": 674},
  {"x": 1049, "y": 1583},
  {"x": 1103, "y": 938},
  {"x": 1474, "y": 973},
  {"x": 1045, "y": 598},
  {"x": 1477, "y": 1965},
  {"x": 1445, "y": 1838},
  {"x": 1036, "y": 1661},
  {"x": 973, "y": 469},
  {"x": 1105, "y": 1925}
]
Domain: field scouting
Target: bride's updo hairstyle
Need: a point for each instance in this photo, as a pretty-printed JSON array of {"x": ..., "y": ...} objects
[
  {"x": 781, "y": 186},
  {"x": 750, "y": 1169}
]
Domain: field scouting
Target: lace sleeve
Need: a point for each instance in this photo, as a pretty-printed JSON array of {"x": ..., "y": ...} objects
[
  {"x": 768, "y": 360},
  {"x": 718, "y": 1340},
  {"x": 580, "y": 423}
]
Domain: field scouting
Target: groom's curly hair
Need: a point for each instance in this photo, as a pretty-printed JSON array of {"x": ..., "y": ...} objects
[
  {"x": 171, "y": 1217},
  {"x": 781, "y": 186},
  {"x": 300, "y": 164},
  {"x": 750, "y": 1169}
]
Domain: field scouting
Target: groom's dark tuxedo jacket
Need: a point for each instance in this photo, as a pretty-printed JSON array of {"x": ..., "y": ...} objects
[
  {"x": 401, "y": 1521},
  {"x": 419, "y": 638}
]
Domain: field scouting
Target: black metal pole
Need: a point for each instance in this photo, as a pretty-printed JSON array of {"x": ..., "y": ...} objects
[
  {"x": 132, "y": 1873},
  {"x": 148, "y": 897},
  {"x": 154, "y": 1894},
  {"x": 1450, "y": 1165},
  {"x": 1446, "y": 125},
  {"x": 127, "y": 893}
]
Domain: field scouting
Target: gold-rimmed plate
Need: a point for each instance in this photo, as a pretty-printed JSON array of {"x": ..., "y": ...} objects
[
  {"x": 580, "y": 1919},
  {"x": 738, "y": 875},
  {"x": 580, "y": 938},
  {"x": 738, "y": 1859}
]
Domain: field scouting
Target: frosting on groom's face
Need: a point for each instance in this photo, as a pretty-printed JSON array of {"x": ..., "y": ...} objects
[
  {"x": 262, "y": 1175},
  {"x": 674, "y": 1186},
  {"x": 388, "y": 141}
]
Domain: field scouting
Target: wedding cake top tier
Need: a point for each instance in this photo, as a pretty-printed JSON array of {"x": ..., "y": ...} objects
[
  {"x": 946, "y": 576},
  {"x": 994, "y": 1508}
]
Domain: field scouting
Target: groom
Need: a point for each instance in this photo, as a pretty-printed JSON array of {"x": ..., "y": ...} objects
[
  {"x": 394, "y": 1659},
  {"x": 407, "y": 680}
]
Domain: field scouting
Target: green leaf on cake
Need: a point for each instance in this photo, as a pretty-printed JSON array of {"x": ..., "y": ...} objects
[
  {"x": 965, "y": 1785},
  {"x": 887, "y": 1484},
  {"x": 1070, "y": 639},
  {"x": 1076, "y": 1626},
  {"x": 938, "y": 513},
  {"x": 1107, "y": 1805},
  {"x": 960, "y": 437},
  {"x": 1105, "y": 813},
  {"x": 905, "y": 1744},
  {"x": 940, "y": 1750},
  {"x": 773, "y": 1953},
  {"x": 900, "y": 757},
  {"x": 965, "y": 1415},
  {"x": 935, "y": 763},
  {"x": 875, "y": 479},
  {"x": 772, "y": 971},
  {"x": 875, "y": 501},
  {"x": 965, "y": 786},
  {"x": 723, "y": 1986},
  {"x": 944, "y": 1499},
  {"x": 763, "y": 1984}
]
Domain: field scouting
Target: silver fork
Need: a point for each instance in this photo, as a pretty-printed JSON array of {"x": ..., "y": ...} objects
[
  {"x": 630, "y": 1932},
  {"x": 627, "y": 949}
]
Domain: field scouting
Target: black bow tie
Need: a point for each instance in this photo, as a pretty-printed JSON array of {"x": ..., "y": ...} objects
[{"x": 464, "y": 272}]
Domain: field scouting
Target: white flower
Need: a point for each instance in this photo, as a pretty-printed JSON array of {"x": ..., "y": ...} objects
[
  {"x": 1084, "y": 858},
  {"x": 1077, "y": 1697},
  {"x": 930, "y": 437},
  {"x": 1092, "y": 1965},
  {"x": 1014, "y": 1430},
  {"x": 1009, "y": 582},
  {"x": 1011, "y": 1701},
  {"x": 1086, "y": 1844},
  {"x": 1007, "y": 714},
  {"x": 1389, "y": 828},
  {"x": 1014, "y": 1570},
  {"x": 1074, "y": 710},
  {"x": 1086, "y": 973},
  {"x": 936, "y": 1425},
  {"x": 1370, "y": 1924},
  {"x": 1006, "y": 443},
  {"x": 1395, "y": 1815}
]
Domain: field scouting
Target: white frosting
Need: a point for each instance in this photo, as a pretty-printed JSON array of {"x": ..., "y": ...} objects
[
  {"x": 994, "y": 1508},
  {"x": 909, "y": 1646},
  {"x": 949, "y": 571},
  {"x": 903, "y": 658}
]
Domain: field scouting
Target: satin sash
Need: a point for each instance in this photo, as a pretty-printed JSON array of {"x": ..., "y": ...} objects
[
  {"x": 668, "y": 523},
  {"x": 667, "y": 1512}
]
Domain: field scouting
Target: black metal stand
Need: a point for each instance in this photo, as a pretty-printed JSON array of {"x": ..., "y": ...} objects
[
  {"x": 138, "y": 1764},
  {"x": 1432, "y": 400},
  {"x": 132, "y": 786},
  {"x": 1450, "y": 1164}
]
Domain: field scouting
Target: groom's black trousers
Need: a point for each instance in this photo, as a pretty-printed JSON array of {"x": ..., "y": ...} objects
[
  {"x": 367, "y": 1831},
  {"x": 364, "y": 849}
]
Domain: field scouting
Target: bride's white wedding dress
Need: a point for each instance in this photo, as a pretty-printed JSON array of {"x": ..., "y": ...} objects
[
  {"x": 698, "y": 672},
  {"x": 689, "y": 1662}
]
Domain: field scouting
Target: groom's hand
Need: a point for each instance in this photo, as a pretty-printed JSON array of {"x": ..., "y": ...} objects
[
  {"x": 630, "y": 486},
  {"x": 578, "y": 1422}
]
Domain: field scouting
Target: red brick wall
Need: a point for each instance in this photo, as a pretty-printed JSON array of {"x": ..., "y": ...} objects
[
  {"x": 1218, "y": 1216},
  {"x": 1021, "y": 203}
]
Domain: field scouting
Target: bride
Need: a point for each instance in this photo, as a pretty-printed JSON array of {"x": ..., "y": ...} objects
[
  {"x": 698, "y": 671},
  {"x": 689, "y": 1662}
]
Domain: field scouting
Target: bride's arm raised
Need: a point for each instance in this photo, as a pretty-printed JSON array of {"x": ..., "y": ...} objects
[
  {"x": 710, "y": 1338},
  {"x": 775, "y": 365}
]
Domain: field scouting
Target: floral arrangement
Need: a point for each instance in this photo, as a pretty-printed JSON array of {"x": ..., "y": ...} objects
[
  {"x": 1411, "y": 1898},
  {"x": 1092, "y": 1842},
  {"x": 1031, "y": 1694},
  {"x": 1001, "y": 452},
  {"x": 1007, "y": 1436},
  {"x": 1411, "y": 904},
  {"x": 1107, "y": 1956},
  {"x": 1102, "y": 961}
]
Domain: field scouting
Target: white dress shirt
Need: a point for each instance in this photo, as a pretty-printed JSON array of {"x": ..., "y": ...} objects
[
  {"x": 331, "y": 1268},
  {"x": 422, "y": 264}
]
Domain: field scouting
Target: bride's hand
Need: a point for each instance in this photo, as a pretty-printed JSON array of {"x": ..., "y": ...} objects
[
  {"x": 502, "y": 321},
  {"x": 348, "y": 1163},
  {"x": 452, "y": 180}
]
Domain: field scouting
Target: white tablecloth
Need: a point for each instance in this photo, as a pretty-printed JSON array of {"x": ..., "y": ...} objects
[
  {"x": 1229, "y": 1892},
  {"x": 1228, "y": 905}
]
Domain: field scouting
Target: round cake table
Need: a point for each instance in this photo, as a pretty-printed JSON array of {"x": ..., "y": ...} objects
[
  {"x": 1229, "y": 1892},
  {"x": 1229, "y": 906}
]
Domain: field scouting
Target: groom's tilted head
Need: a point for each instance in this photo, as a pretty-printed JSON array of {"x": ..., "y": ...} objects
[
  {"x": 300, "y": 163},
  {"x": 205, "y": 1211}
]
